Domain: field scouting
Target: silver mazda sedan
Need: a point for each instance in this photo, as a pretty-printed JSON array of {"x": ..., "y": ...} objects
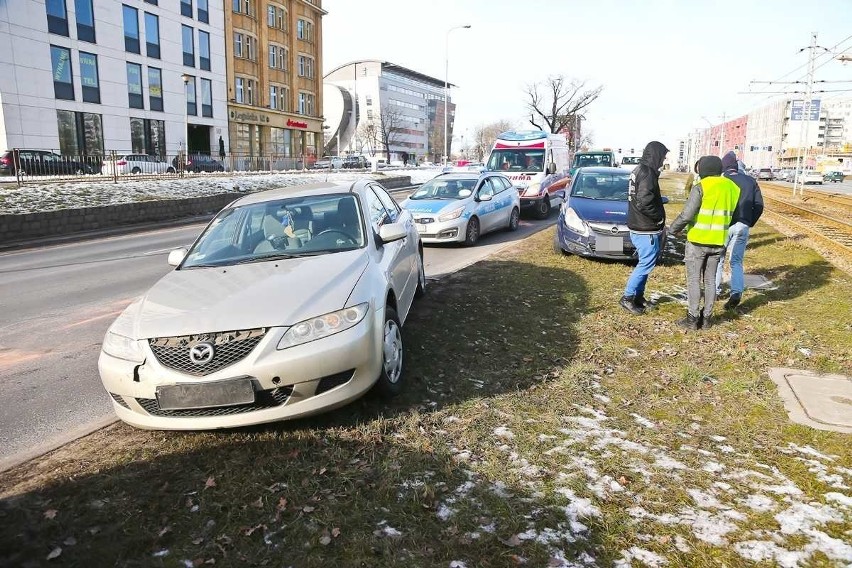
[{"x": 290, "y": 303}]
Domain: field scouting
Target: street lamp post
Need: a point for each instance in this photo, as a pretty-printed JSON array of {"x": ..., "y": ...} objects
[
  {"x": 447, "y": 87},
  {"x": 185, "y": 78}
]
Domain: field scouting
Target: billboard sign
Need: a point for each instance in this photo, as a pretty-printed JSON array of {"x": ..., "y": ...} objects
[{"x": 798, "y": 110}]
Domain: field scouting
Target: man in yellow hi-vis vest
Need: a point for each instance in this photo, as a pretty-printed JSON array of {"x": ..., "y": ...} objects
[{"x": 707, "y": 213}]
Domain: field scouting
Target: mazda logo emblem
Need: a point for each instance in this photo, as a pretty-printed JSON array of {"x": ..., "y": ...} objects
[{"x": 201, "y": 354}]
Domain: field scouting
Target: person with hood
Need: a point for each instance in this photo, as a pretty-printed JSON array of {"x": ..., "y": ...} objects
[
  {"x": 748, "y": 211},
  {"x": 646, "y": 219},
  {"x": 707, "y": 213}
]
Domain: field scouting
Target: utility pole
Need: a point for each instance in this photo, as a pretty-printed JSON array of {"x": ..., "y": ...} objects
[
  {"x": 798, "y": 185},
  {"x": 722, "y": 136}
]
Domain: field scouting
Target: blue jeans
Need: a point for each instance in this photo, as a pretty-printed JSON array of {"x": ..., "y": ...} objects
[
  {"x": 735, "y": 243},
  {"x": 648, "y": 250}
]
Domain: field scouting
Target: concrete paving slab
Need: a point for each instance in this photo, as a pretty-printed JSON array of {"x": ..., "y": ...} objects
[{"x": 820, "y": 401}]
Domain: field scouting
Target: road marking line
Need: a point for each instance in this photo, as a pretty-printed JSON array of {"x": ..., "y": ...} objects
[{"x": 95, "y": 318}]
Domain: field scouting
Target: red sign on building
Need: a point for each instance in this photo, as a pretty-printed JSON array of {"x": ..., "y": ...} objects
[{"x": 296, "y": 123}]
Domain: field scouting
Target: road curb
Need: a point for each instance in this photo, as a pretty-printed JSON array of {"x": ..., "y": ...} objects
[{"x": 40, "y": 450}]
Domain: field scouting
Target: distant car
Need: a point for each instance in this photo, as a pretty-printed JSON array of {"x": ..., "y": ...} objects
[
  {"x": 329, "y": 162},
  {"x": 629, "y": 162},
  {"x": 460, "y": 207},
  {"x": 765, "y": 174},
  {"x": 593, "y": 219},
  {"x": 136, "y": 164},
  {"x": 42, "y": 163},
  {"x": 811, "y": 176},
  {"x": 201, "y": 163},
  {"x": 834, "y": 177},
  {"x": 785, "y": 175},
  {"x": 290, "y": 303},
  {"x": 355, "y": 162}
]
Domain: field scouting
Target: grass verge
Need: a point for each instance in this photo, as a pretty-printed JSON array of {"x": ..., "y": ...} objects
[{"x": 542, "y": 426}]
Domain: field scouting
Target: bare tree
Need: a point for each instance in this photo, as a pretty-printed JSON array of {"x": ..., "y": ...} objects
[
  {"x": 389, "y": 129},
  {"x": 367, "y": 136},
  {"x": 485, "y": 135},
  {"x": 557, "y": 102}
]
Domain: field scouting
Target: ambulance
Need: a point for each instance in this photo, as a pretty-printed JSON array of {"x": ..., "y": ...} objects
[{"x": 537, "y": 164}]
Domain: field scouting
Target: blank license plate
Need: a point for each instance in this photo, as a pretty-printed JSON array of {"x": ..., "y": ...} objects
[
  {"x": 208, "y": 395},
  {"x": 609, "y": 244},
  {"x": 420, "y": 228}
]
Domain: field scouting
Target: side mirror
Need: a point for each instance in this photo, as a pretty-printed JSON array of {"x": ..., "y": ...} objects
[
  {"x": 551, "y": 168},
  {"x": 177, "y": 256},
  {"x": 665, "y": 200},
  {"x": 392, "y": 232},
  {"x": 486, "y": 197}
]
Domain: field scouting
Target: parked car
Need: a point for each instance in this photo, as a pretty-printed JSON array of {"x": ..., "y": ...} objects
[
  {"x": 42, "y": 163},
  {"x": 305, "y": 291},
  {"x": 355, "y": 162},
  {"x": 332, "y": 162},
  {"x": 136, "y": 164},
  {"x": 200, "y": 163},
  {"x": 833, "y": 177},
  {"x": 460, "y": 207},
  {"x": 786, "y": 175},
  {"x": 629, "y": 162},
  {"x": 593, "y": 220},
  {"x": 765, "y": 174},
  {"x": 811, "y": 176}
]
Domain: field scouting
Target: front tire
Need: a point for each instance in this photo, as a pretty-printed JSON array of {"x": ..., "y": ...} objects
[
  {"x": 514, "y": 219},
  {"x": 389, "y": 383},
  {"x": 471, "y": 234},
  {"x": 420, "y": 291},
  {"x": 542, "y": 210}
]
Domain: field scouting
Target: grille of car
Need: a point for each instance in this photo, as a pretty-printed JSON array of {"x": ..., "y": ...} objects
[
  {"x": 606, "y": 229},
  {"x": 263, "y": 399},
  {"x": 119, "y": 399},
  {"x": 228, "y": 348}
]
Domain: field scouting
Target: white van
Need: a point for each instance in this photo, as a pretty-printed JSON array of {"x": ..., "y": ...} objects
[
  {"x": 536, "y": 162},
  {"x": 629, "y": 162}
]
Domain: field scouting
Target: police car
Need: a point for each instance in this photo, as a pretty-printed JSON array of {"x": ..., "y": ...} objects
[{"x": 462, "y": 206}]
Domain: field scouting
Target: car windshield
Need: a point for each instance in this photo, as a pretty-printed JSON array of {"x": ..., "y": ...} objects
[
  {"x": 608, "y": 187},
  {"x": 516, "y": 160},
  {"x": 592, "y": 160},
  {"x": 445, "y": 188},
  {"x": 630, "y": 160},
  {"x": 284, "y": 228}
]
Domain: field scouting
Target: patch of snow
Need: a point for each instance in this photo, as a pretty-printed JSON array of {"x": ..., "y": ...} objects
[
  {"x": 503, "y": 432},
  {"x": 646, "y": 557},
  {"x": 759, "y": 503},
  {"x": 666, "y": 462},
  {"x": 602, "y": 398},
  {"x": 642, "y": 421},
  {"x": 704, "y": 500},
  {"x": 457, "y": 564},
  {"x": 718, "y": 438},
  {"x": 713, "y": 467},
  {"x": 800, "y": 517},
  {"x": 840, "y": 498}
]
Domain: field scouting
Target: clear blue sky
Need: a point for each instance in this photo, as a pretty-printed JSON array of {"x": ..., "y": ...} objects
[{"x": 664, "y": 64}]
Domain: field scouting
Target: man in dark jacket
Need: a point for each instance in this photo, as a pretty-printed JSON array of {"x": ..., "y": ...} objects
[
  {"x": 646, "y": 219},
  {"x": 707, "y": 214},
  {"x": 748, "y": 211}
]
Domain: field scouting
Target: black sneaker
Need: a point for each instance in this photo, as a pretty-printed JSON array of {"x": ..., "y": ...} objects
[
  {"x": 640, "y": 301},
  {"x": 629, "y": 304},
  {"x": 733, "y": 301},
  {"x": 707, "y": 322},
  {"x": 689, "y": 323}
]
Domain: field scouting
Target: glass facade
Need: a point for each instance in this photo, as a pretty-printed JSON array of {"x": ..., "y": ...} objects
[
  {"x": 85, "y": 15},
  {"x": 89, "y": 77},
  {"x": 63, "y": 84}
]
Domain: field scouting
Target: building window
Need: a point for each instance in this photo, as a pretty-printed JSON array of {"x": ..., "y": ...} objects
[
  {"x": 238, "y": 44},
  {"x": 57, "y": 17},
  {"x": 305, "y": 30},
  {"x": 207, "y": 98},
  {"x": 276, "y": 17},
  {"x": 80, "y": 133},
  {"x": 63, "y": 84},
  {"x": 270, "y": 16},
  {"x": 277, "y": 57},
  {"x": 131, "y": 29},
  {"x": 134, "y": 85},
  {"x": 148, "y": 136},
  {"x": 306, "y": 104},
  {"x": 250, "y": 92},
  {"x": 186, "y": 8},
  {"x": 245, "y": 46},
  {"x": 204, "y": 50},
  {"x": 279, "y": 141},
  {"x": 155, "y": 88},
  {"x": 191, "y": 107},
  {"x": 203, "y": 11},
  {"x": 154, "y": 2},
  {"x": 244, "y": 7},
  {"x": 239, "y": 88},
  {"x": 306, "y": 67},
  {"x": 284, "y": 99},
  {"x": 152, "y": 35},
  {"x": 89, "y": 77},
  {"x": 369, "y": 100},
  {"x": 188, "y": 47},
  {"x": 85, "y": 14},
  {"x": 273, "y": 97}
]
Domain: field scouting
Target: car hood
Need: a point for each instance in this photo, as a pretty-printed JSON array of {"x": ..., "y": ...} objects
[
  {"x": 599, "y": 210},
  {"x": 244, "y": 296},
  {"x": 433, "y": 206}
]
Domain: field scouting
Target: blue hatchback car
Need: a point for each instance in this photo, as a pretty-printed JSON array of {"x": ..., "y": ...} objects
[{"x": 593, "y": 219}]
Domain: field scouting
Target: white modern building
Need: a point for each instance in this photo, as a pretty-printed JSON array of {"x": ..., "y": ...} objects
[
  {"x": 368, "y": 101},
  {"x": 85, "y": 77}
]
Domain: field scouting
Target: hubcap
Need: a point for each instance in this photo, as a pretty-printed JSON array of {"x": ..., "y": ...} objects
[
  {"x": 472, "y": 231},
  {"x": 514, "y": 221},
  {"x": 392, "y": 351}
]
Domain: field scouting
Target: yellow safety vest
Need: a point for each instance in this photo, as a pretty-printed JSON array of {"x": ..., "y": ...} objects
[{"x": 720, "y": 196}]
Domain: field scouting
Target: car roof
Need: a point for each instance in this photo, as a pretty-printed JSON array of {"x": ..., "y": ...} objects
[
  {"x": 602, "y": 170},
  {"x": 307, "y": 190},
  {"x": 467, "y": 175}
]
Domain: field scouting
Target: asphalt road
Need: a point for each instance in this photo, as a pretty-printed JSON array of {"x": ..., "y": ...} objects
[
  {"x": 844, "y": 187},
  {"x": 56, "y": 303}
]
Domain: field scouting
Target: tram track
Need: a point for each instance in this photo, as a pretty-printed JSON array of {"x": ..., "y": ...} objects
[{"x": 828, "y": 230}]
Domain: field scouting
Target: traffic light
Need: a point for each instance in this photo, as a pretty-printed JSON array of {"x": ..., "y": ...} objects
[
  {"x": 632, "y": 151},
  {"x": 619, "y": 150}
]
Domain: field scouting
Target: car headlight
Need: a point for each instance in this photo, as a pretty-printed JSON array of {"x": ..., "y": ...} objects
[
  {"x": 323, "y": 326},
  {"x": 533, "y": 189},
  {"x": 574, "y": 223},
  {"x": 122, "y": 347},
  {"x": 454, "y": 214},
  {"x": 521, "y": 186}
]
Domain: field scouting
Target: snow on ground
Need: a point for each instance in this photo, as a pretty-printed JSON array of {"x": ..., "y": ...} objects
[{"x": 100, "y": 190}]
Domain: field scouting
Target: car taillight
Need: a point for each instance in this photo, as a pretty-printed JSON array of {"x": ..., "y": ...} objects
[
  {"x": 121, "y": 163},
  {"x": 5, "y": 160}
]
